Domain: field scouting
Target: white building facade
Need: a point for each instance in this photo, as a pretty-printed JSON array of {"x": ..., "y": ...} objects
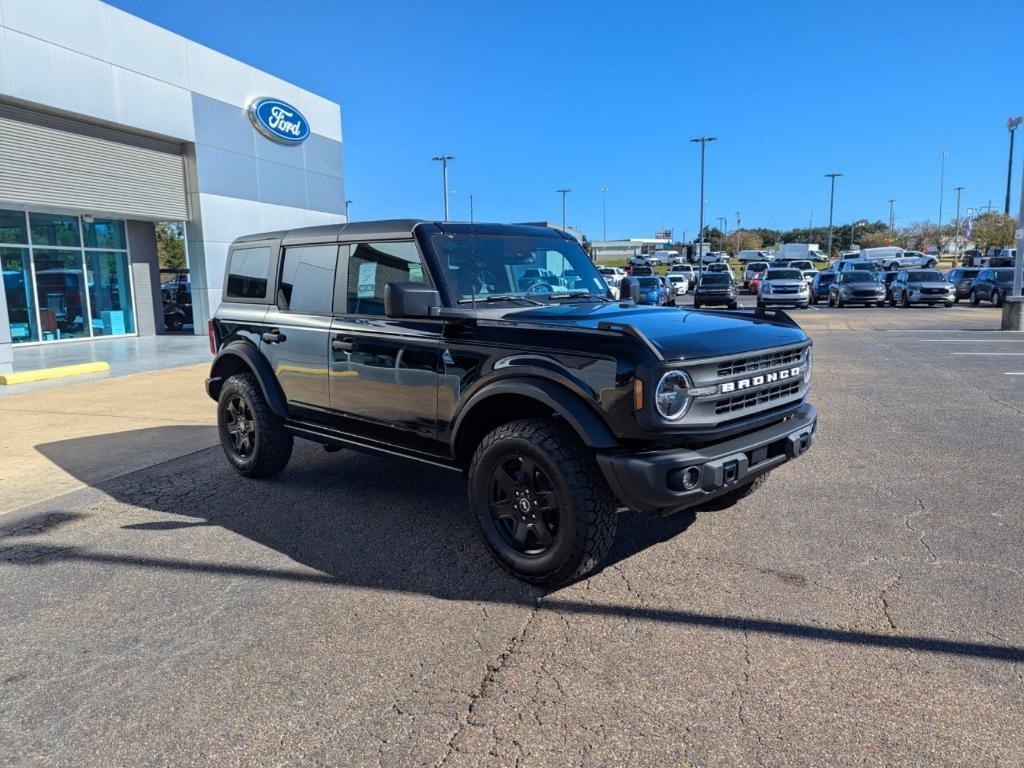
[{"x": 110, "y": 124}]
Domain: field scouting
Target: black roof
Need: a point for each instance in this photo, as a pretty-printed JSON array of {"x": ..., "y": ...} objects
[{"x": 395, "y": 229}]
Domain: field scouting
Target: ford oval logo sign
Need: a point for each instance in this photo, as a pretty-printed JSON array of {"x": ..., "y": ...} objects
[{"x": 278, "y": 120}]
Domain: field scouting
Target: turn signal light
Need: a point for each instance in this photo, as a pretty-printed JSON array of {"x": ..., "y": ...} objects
[
  {"x": 638, "y": 394},
  {"x": 213, "y": 341}
]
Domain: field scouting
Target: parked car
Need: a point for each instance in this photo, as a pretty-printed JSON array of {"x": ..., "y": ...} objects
[
  {"x": 651, "y": 290},
  {"x": 749, "y": 256},
  {"x": 686, "y": 270},
  {"x": 668, "y": 296},
  {"x": 613, "y": 275},
  {"x": 753, "y": 268},
  {"x": 1000, "y": 257},
  {"x": 638, "y": 261},
  {"x": 720, "y": 266},
  {"x": 654, "y": 260},
  {"x": 806, "y": 267},
  {"x": 642, "y": 270},
  {"x": 755, "y": 283},
  {"x": 894, "y": 259},
  {"x": 713, "y": 257},
  {"x": 714, "y": 289},
  {"x": 887, "y": 279},
  {"x": 861, "y": 265},
  {"x": 962, "y": 278},
  {"x": 920, "y": 286},
  {"x": 856, "y": 287},
  {"x": 680, "y": 283},
  {"x": 819, "y": 287},
  {"x": 992, "y": 285},
  {"x": 783, "y": 285},
  {"x": 412, "y": 360}
]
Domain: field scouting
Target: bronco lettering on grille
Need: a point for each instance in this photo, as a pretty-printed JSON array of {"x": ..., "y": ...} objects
[{"x": 757, "y": 381}]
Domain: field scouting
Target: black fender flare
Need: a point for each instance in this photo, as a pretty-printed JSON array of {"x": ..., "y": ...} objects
[
  {"x": 586, "y": 422},
  {"x": 260, "y": 367}
]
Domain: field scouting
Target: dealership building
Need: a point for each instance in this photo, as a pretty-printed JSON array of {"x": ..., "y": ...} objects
[{"x": 109, "y": 126}]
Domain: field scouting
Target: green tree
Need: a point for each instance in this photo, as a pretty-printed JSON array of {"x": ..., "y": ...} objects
[
  {"x": 170, "y": 244},
  {"x": 993, "y": 230}
]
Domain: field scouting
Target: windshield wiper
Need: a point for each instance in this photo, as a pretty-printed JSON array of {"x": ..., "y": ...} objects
[
  {"x": 501, "y": 297},
  {"x": 579, "y": 295}
]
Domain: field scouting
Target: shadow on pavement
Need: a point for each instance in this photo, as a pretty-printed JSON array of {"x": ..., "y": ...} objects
[{"x": 371, "y": 522}]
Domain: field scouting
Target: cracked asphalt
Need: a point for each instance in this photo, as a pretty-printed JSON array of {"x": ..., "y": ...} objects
[{"x": 863, "y": 608}]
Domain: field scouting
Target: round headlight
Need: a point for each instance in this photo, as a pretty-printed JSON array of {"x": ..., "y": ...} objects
[
  {"x": 672, "y": 395},
  {"x": 807, "y": 370}
]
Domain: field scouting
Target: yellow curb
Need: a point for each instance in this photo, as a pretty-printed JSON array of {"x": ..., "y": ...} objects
[{"x": 42, "y": 374}]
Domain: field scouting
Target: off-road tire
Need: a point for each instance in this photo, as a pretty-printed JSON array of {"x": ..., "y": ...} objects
[
  {"x": 273, "y": 444},
  {"x": 729, "y": 498},
  {"x": 587, "y": 507}
]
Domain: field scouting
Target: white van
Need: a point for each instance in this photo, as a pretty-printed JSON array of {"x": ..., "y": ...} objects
[{"x": 746, "y": 256}]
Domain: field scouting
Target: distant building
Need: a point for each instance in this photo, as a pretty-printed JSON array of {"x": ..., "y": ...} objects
[{"x": 608, "y": 250}]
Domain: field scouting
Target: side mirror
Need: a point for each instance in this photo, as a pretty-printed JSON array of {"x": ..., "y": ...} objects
[
  {"x": 630, "y": 289},
  {"x": 409, "y": 299}
]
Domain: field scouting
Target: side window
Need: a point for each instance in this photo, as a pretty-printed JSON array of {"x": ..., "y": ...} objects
[
  {"x": 307, "y": 279},
  {"x": 248, "y": 270},
  {"x": 371, "y": 266}
]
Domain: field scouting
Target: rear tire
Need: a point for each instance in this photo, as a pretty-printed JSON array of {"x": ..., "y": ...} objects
[
  {"x": 540, "y": 501},
  {"x": 252, "y": 435}
]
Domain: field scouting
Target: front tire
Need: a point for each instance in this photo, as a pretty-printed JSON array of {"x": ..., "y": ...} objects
[
  {"x": 975, "y": 300},
  {"x": 252, "y": 435},
  {"x": 905, "y": 301},
  {"x": 540, "y": 501},
  {"x": 997, "y": 299}
]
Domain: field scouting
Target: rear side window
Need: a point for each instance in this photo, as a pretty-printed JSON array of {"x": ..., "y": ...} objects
[
  {"x": 248, "y": 270},
  {"x": 307, "y": 279},
  {"x": 372, "y": 266}
]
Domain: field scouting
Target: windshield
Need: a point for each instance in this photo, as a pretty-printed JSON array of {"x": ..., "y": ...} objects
[
  {"x": 715, "y": 278},
  {"x": 925, "y": 276},
  {"x": 783, "y": 274},
  {"x": 676, "y": 278},
  {"x": 758, "y": 266},
  {"x": 825, "y": 278},
  {"x": 648, "y": 282},
  {"x": 858, "y": 277},
  {"x": 478, "y": 266},
  {"x": 1004, "y": 275},
  {"x": 801, "y": 265}
]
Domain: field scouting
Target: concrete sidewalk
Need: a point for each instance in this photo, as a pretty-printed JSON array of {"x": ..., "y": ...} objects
[{"x": 137, "y": 421}]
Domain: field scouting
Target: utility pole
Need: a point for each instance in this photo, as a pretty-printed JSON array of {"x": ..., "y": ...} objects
[
  {"x": 443, "y": 159},
  {"x": 1011, "y": 126},
  {"x": 347, "y": 204},
  {"x": 959, "y": 239},
  {"x": 470, "y": 207},
  {"x": 723, "y": 224},
  {"x": 703, "y": 141},
  {"x": 736, "y": 247},
  {"x": 943, "y": 154},
  {"x": 604, "y": 213},
  {"x": 563, "y": 192},
  {"x": 892, "y": 222},
  {"x": 831, "y": 201}
]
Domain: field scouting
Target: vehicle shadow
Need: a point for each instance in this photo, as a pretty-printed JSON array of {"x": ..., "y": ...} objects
[{"x": 369, "y": 522}]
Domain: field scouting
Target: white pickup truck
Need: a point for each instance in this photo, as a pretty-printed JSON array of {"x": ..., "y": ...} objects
[{"x": 893, "y": 258}]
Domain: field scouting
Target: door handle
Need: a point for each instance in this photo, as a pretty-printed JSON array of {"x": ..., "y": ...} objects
[
  {"x": 273, "y": 337},
  {"x": 346, "y": 344}
]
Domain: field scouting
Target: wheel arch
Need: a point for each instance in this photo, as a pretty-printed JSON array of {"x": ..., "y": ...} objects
[
  {"x": 508, "y": 400},
  {"x": 243, "y": 357}
]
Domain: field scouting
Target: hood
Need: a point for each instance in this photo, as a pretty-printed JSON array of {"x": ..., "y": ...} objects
[
  {"x": 675, "y": 333},
  {"x": 861, "y": 286}
]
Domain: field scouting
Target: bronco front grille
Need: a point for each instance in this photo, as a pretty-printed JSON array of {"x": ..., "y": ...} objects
[
  {"x": 740, "y": 365},
  {"x": 760, "y": 397}
]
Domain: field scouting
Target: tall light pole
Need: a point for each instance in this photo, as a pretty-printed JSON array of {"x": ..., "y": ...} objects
[
  {"x": 703, "y": 141},
  {"x": 723, "y": 224},
  {"x": 892, "y": 222},
  {"x": 943, "y": 154},
  {"x": 564, "y": 192},
  {"x": 1011, "y": 126},
  {"x": 737, "y": 246},
  {"x": 831, "y": 200},
  {"x": 604, "y": 213},
  {"x": 959, "y": 239},
  {"x": 443, "y": 159},
  {"x": 347, "y": 204}
]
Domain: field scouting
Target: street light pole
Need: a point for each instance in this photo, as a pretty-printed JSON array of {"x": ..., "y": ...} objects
[
  {"x": 736, "y": 247},
  {"x": 959, "y": 239},
  {"x": 943, "y": 154},
  {"x": 892, "y": 222},
  {"x": 443, "y": 159},
  {"x": 347, "y": 204},
  {"x": 604, "y": 213},
  {"x": 723, "y": 223},
  {"x": 1011, "y": 125},
  {"x": 831, "y": 201},
  {"x": 703, "y": 140},
  {"x": 564, "y": 192}
]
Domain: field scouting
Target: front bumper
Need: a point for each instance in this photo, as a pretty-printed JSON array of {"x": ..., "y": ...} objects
[
  {"x": 796, "y": 299},
  {"x": 931, "y": 298},
  {"x": 651, "y": 480},
  {"x": 715, "y": 298}
]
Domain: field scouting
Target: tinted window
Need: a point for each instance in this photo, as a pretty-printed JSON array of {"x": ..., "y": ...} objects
[
  {"x": 825, "y": 278},
  {"x": 857, "y": 277},
  {"x": 715, "y": 278},
  {"x": 248, "y": 270},
  {"x": 924, "y": 276},
  {"x": 648, "y": 282},
  {"x": 758, "y": 266},
  {"x": 784, "y": 274},
  {"x": 307, "y": 279},
  {"x": 1004, "y": 275},
  {"x": 372, "y": 266}
]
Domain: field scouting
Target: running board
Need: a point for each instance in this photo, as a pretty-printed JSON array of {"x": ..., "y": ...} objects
[{"x": 321, "y": 434}]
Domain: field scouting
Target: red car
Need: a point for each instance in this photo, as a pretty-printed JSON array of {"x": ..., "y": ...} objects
[{"x": 755, "y": 283}]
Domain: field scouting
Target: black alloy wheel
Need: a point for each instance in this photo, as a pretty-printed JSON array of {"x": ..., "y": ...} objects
[
  {"x": 524, "y": 506},
  {"x": 240, "y": 426}
]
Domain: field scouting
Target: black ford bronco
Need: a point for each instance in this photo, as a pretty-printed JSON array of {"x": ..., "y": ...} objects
[{"x": 497, "y": 351}]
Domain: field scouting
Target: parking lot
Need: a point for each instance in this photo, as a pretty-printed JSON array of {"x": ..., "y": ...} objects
[{"x": 863, "y": 608}]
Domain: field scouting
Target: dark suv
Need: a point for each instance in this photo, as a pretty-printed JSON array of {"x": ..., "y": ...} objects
[
  {"x": 992, "y": 285},
  {"x": 496, "y": 351}
]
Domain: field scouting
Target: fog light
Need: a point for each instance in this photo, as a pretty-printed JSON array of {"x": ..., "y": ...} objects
[{"x": 691, "y": 478}]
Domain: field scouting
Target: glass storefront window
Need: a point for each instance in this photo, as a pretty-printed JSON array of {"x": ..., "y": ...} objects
[
  {"x": 21, "y": 308},
  {"x": 54, "y": 230},
  {"x": 109, "y": 296},
  {"x": 104, "y": 233},
  {"x": 12, "y": 227},
  {"x": 60, "y": 289}
]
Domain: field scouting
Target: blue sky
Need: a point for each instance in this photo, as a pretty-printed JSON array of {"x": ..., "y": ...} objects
[{"x": 533, "y": 96}]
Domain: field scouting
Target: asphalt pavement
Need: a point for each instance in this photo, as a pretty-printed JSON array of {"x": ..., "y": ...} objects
[{"x": 863, "y": 608}]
